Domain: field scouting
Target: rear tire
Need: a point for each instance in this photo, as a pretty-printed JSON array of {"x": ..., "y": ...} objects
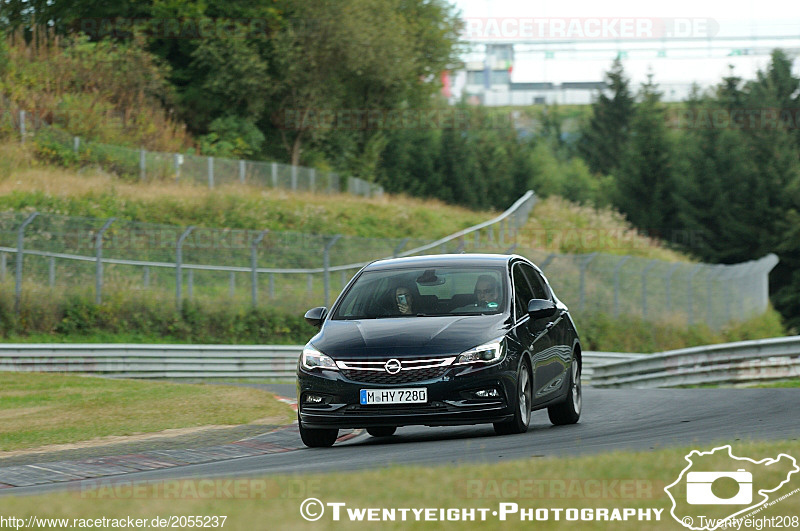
[
  {"x": 317, "y": 438},
  {"x": 382, "y": 431},
  {"x": 522, "y": 404},
  {"x": 569, "y": 411}
]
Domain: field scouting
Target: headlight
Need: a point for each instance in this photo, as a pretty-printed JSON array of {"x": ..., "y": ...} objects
[
  {"x": 314, "y": 359},
  {"x": 490, "y": 352}
]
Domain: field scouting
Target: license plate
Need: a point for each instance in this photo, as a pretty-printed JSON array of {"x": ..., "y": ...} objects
[{"x": 418, "y": 395}]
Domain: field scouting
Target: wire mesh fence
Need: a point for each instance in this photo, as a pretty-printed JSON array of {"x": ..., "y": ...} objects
[
  {"x": 183, "y": 167},
  {"x": 656, "y": 290},
  {"x": 298, "y": 270},
  {"x": 67, "y": 253}
]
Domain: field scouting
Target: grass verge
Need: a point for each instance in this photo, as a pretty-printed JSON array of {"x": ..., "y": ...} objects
[
  {"x": 27, "y": 184},
  {"x": 633, "y": 480},
  {"x": 779, "y": 385},
  {"x": 39, "y": 409}
]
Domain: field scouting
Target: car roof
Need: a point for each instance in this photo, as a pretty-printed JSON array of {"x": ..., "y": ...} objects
[{"x": 442, "y": 260}]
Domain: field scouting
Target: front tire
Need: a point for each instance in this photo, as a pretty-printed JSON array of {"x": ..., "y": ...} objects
[
  {"x": 522, "y": 404},
  {"x": 317, "y": 438},
  {"x": 569, "y": 411},
  {"x": 382, "y": 431}
]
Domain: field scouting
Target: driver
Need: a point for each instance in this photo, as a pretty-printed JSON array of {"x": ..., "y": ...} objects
[
  {"x": 487, "y": 295},
  {"x": 486, "y": 291}
]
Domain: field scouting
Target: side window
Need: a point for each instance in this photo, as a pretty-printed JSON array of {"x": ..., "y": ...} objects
[
  {"x": 522, "y": 293},
  {"x": 535, "y": 279}
]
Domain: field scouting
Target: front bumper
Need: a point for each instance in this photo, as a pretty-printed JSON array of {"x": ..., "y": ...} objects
[{"x": 450, "y": 400}]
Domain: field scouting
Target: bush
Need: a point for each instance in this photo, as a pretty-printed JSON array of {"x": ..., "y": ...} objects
[
  {"x": 77, "y": 318},
  {"x": 601, "y": 332}
]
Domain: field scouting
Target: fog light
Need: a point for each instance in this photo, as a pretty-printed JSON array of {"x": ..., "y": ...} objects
[
  {"x": 487, "y": 393},
  {"x": 314, "y": 399}
]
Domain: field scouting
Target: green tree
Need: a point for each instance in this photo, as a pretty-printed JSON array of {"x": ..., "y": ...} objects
[
  {"x": 645, "y": 181},
  {"x": 604, "y": 139}
]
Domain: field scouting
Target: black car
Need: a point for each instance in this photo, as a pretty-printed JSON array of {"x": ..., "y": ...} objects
[{"x": 439, "y": 340}]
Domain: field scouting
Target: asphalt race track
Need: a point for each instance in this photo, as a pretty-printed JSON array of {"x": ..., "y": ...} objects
[{"x": 636, "y": 419}]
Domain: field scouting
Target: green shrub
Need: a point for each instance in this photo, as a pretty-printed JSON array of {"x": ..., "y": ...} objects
[
  {"x": 601, "y": 332},
  {"x": 150, "y": 319}
]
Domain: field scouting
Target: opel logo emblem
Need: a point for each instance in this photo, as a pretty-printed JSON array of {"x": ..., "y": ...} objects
[{"x": 393, "y": 366}]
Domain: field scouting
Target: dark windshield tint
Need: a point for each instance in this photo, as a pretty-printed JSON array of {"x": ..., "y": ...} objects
[{"x": 414, "y": 292}]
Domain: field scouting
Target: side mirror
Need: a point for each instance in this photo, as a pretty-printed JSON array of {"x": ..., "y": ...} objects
[
  {"x": 541, "y": 308},
  {"x": 315, "y": 316}
]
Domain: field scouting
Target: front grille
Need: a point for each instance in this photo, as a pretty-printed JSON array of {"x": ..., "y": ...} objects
[
  {"x": 397, "y": 409},
  {"x": 402, "y": 377}
]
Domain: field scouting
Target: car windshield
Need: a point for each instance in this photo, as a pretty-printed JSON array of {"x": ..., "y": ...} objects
[{"x": 424, "y": 292}]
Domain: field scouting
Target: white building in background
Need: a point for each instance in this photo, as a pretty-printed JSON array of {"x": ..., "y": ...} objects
[{"x": 499, "y": 72}]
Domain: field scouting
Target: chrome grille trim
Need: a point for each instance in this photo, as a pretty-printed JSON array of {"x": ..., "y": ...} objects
[{"x": 431, "y": 363}]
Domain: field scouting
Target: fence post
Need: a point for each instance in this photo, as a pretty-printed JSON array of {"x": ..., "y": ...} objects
[
  {"x": 752, "y": 270},
  {"x": 51, "y": 270},
  {"x": 142, "y": 164},
  {"x": 310, "y": 284},
  {"x": 211, "y": 172},
  {"x": 76, "y": 143},
  {"x": 399, "y": 247},
  {"x": 146, "y": 280},
  {"x": 179, "y": 264},
  {"x": 768, "y": 263},
  {"x": 342, "y": 278},
  {"x": 178, "y": 160},
  {"x": 294, "y": 177},
  {"x": 616, "y": 284},
  {"x": 274, "y": 171},
  {"x": 190, "y": 285},
  {"x": 241, "y": 171},
  {"x": 271, "y": 285},
  {"x": 22, "y": 127},
  {"x": 712, "y": 276},
  {"x": 582, "y": 285},
  {"x": 326, "y": 265},
  {"x": 668, "y": 287},
  {"x": 547, "y": 261},
  {"x": 646, "y": 270},
  {"x": 254, "y": 266},
  {"x": 3, "y": 266},
  {"x": 689, "y": 292},
  {"x": 312, "y": 180},
  {"x": 18, "y": 270},
  {"x": 98, "y": 246}
]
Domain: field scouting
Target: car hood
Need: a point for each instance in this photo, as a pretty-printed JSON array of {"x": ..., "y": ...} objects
[{"x": 407, "y": 337}]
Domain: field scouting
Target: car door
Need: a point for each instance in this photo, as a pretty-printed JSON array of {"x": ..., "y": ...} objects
[
  {"x": 531, "y": 334},
  {"x": 553, "y": 358}
]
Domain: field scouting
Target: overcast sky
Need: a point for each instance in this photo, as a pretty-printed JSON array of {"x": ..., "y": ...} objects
[{"x": 766, "y": 16}]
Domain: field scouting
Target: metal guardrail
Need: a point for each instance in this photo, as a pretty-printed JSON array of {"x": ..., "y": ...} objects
[
  {"x": 760, "y": 360},
  {"x": 743, "y": 362},
  {"x": 592, "y": 359},
  {"x": 153, "y": 361},
  {"x": 184, "y": 361}
]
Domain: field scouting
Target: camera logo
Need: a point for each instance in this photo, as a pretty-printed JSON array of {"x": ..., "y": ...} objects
[
  {"x": 699, "y": 488},
  {"x": 717, "y": 487}
]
